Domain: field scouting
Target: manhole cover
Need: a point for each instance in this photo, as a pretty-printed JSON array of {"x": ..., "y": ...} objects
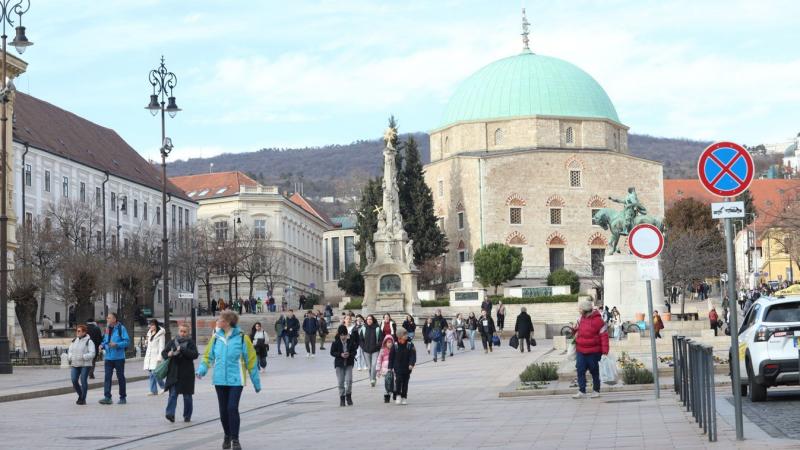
[
  {"x": 92, "y": 438},
  {"x": 630, "y": 400}
]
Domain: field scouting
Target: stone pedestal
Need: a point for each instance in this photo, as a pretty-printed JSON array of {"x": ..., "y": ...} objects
[
  {"x": 623, "y": 288},
  {"x": 390, "y": 287}
]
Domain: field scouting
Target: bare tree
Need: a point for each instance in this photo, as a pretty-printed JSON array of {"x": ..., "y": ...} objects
[
  {"x": 253, "y": 267},
  {"x": 273, "y": 266},
  {"x": 205, "y": 255},
  {"x": 692, "y": 255}
]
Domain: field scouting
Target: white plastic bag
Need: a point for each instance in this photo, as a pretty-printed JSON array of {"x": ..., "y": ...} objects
[
  {"x": 571, "y": 351},
  {"x": 608, "y": 370}
]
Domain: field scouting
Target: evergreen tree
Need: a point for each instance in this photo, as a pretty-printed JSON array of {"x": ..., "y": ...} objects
[
  {"x": 749, "y": 207},
  {"x": 367, "y": 219},
  {"x": 416, "y": 208},
  {"x": 497, "y": 263}
]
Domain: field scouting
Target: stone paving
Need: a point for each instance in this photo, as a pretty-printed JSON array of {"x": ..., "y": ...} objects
[
  {"x": 779, "y": 416},
  {"x": 454, "y": 404}
]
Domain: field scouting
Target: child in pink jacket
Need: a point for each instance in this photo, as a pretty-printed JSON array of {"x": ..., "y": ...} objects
[{"x": 383, "y": 367}]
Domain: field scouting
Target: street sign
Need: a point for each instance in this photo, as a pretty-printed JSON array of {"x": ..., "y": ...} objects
[
  {"x": 645, "y": 241},
  {"x": 727, "y": 210},
  {"x": 723, "y": 277},
  {"x": 185, "y": 295},
  {"x": 648, "y": 269},
  {"x": 725, "y": 169}
]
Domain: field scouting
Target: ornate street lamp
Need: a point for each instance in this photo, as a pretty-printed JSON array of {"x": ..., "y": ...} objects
[
  {"x": 161, "y": 99},
  {"x": 20, "y": 42}
]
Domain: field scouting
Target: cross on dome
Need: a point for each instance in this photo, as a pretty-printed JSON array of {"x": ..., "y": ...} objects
[{"x": 525, "y": 32}]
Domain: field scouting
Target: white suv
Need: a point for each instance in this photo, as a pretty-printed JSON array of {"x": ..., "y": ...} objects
[{"x": 768, "y": 345}]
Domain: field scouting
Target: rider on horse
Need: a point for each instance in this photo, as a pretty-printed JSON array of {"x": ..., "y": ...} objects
[{"x": 632, "y": 208}]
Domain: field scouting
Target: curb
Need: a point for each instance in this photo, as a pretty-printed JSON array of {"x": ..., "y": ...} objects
[
  {"x": 606, "y": 389},
  {"x": 62, "y": 390}
]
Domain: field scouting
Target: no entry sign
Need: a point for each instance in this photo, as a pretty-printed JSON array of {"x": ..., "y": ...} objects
[
  {"x": 646, "y": 241},
  {"x": 725, "y": 169}
]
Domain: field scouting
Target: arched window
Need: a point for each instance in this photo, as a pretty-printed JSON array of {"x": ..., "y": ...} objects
[
  {"x": 570, "y": 136},
  {"x": 498, "y": 136}
]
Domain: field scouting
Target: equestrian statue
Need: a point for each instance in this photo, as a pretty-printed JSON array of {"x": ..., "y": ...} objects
[{"x": 620, "y": 223}]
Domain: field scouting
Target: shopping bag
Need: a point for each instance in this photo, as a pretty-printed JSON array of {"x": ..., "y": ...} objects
[
  {"x": 495, "y": 341},
  {"x": 514, "y": 341},
  {"x": 160, "y": 372},
  {"x": 608, "y": 370},
  {"x": 571, "y": 351}
]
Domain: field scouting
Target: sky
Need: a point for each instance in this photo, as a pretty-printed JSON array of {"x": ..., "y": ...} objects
[{"x": 257, "y": 74}]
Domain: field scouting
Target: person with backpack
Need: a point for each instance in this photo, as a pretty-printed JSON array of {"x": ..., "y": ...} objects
[
  {"x": 234, "y": 358},
  {"x": 487, "y": 330},
  {"x": 438, "y": 329},
  {"x": 591, "y": 342},
  {"x": 310, "y": 329},
  {"x": 383, "y": 367},
  {"x": 328, "y": 314},
  {"x": 524, "y": 327},
  {"x": 152, "y": 356},
  {"x": 402, "y": 359},
  {"x": 115, "y": 342},
  {"x": 370, "y": 337},
  {"x": 80, "y": 355},
  {"x": 323, "y": 330},
  {"x": 343, "y": 350},
  {"x": 291, "y": 331},
  {"x": 96, "y": 335},
  {"x": 280, "y": 325},
  {"x": 181, "y": 353},
  {"x": 260, "y": 340}
]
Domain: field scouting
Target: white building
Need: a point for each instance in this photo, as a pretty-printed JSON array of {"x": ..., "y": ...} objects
[
  {"x": 59, "y": 155},
  {"x": 292, "y": 225},
  {"x": 339, "y": 244}
]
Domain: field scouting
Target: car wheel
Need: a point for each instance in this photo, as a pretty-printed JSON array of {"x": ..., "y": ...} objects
[{"x": 758, "y": 392}]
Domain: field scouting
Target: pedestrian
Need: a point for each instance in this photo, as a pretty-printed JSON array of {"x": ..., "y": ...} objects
[
  {"x": 361, "y": 364},
  {"x": 213, "y": 308},
  {"x": 347, "y": 321},
  {"x": 115, "y": 342},
  {"x": 410, "y": 326},
  {"x": 260, "y": 340},
  {"x": 323, "y": 330},
  {"x": 591, "y": 341},
  {"x": 388, "y": 326},
  {"x": 272, "y": 303},
  {"x": 524, "y": 327},
  {"x": 426, "y": 334},
  {"x": 658, "y": 324},
  {"x": 615, "y": 314},
  {"x": 152, "y": 356},
  {"x": 96, "y": 335},
  {"x": 291, "y": 331},
  {"x": 501, "y": 315},
  {"x": 472, "y": 329},
  {"x": 402, "y": 359},
  {"x": 280, "y": 335},
  {"x": 667, "y": 306},
  {"x": 486, "y": 305},
  {"x": 302, "y": 302},
  {"x": 233, "y": 356},
  {"x": 47, "y": 326},
  {"x": 343, "y": 351},
  {"x": 460, "y": 326},
  {"x": 370, "y": 337},
  {"x": 383, "y": 368},
  {"x": 487, "y": 330},
  {"x": 310, "y": 329},
  {"x": 181, "y": 353},
  {"x": 450, "y": 339},
  {"x": 221, "y": 305},
  {"x": 438, "y": 330},
  {"x": 81, "y": 356},
  {"x": 328, "y": 314},
  {"x": 713, "y": 318}
]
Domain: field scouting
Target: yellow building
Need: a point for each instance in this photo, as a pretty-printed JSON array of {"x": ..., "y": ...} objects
[{"x": 780, "y": 252}]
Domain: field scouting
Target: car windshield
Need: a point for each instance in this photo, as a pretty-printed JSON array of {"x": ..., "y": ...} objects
[{"x": 784, "y": 312}]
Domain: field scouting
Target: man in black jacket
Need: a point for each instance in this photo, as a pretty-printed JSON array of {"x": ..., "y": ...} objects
[
  {"x": 402, "y": 359},
  {"x": 438, "y": 329},
  {"x": 343, "y": 350},
  {"x": 291, "y": 331},
  {"x": 310, "y": 328},
  {"x": 524, "y": 328},
  {"x": 96, "y": 335}
]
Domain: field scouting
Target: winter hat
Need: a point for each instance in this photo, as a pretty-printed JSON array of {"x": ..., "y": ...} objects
[
  {"x": 585, "y": 305},
  {"x": 341, "y": 330}
]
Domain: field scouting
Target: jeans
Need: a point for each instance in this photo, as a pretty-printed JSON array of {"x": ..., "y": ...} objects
[
  {"x": 291, "y": 342},
  {"x": 486, "y": 339},
  {"x": 439, "y": 345},
  {"x": 311, "y": 338},
  {"x": 83, "y": 387},
  {"x": 322, "y": 341},
  {"x": 228, "y": 399},
  {"x": 155, "y": 383},
  {"x": 262, "y": 358},
  {"x": 172, "y": 403},
  {"x": 278, "y": 341},
  {"x": 360, "y": 363},
  {"x": 111, "y": 366},
  {"x": 460, "y": 338},
  {"x": 501, "y": 320},
  {"x": 471, "y": 336},
  {"x": 410, "y": 335},
  {"x": 401, "y": 384},
  {"x": 524, "y": 339},
  {"x": 590, "y": 362},
  {"x": 344, "y": 376},
  {"x": 372, "y": 364}
]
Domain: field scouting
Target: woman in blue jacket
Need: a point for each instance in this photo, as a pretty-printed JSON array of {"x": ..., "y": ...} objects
[{"x": 234, "y": 358}]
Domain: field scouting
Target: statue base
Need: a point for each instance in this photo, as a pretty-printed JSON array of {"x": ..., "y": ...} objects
[
  {"x": 391, "y": 288},
  {"x": 623, "y": 288}
]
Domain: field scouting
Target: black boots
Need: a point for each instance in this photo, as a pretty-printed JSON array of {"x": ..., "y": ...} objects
[
  {"x": 386, "y": 398},
  {"x": 236, "y": 444},
  {"x": 341, "y": 400},
  {"x": 349, "y": 399},
  {"x": 226, "y": 443}
]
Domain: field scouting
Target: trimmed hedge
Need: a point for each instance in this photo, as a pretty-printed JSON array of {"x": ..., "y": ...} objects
[
  {"x": 354, "y": 303},
  {"x": 525, "y": 301},
  {"x": 432, "y": 303}
]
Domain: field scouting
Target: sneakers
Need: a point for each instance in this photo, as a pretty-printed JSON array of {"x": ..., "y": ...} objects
[
  {"x": 152, "y": 394},
  {"x": 594, "y": 394},
  {"x": 349, "y": 399},
  {"x": 122, "y": 401},
  {"x": 398, "y": 401},
  {"x": 372, "y": 383},
  {"x": 403, "y": 402},
  {"x": 187, "y": 419},
  {"x": 235, "y": 445},
  {"x": 341, "y": 401},
  {"x": 170, "y": 418},
  {"x": 579, "y": 396},
  {"x": 80, "y": 402},
  {"x": 308, "y": 355},
  {"x": 105, "y": 401},
  {"x": 386, "y": 398},
  {"x": 226, "y": 443}
]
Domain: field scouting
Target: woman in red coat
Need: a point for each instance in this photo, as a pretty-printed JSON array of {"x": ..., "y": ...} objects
[{"x": 591, "y": 342}]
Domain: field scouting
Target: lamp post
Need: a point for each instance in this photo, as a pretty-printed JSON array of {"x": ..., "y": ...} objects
[
  {"x": 236, "y": 255},
  {"x": 163, "y": 82},
  {"x": 20, "y": 42}
]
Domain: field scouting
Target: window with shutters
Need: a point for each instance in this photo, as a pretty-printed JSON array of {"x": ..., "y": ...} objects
[
  {"x": 575, "y": 178},
  {"x": 569, "y": 136},
  {"x": 515, "y": 216},
  {"x": 555, "y": 216}
]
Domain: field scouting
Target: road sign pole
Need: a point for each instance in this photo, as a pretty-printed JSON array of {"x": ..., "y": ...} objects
[
  {"x": 194, "y": 321},
  {"x": 734, "y": 327},
  {"x": 653, "y": 339}
]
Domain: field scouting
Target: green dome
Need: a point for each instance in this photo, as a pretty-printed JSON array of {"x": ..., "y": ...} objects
[{"x": 525, "y": 85}]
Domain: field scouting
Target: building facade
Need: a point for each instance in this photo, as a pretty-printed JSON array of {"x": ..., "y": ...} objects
[
  {"x": 529, "y": 148},
  {"x": 339, "y": 247},
  {"x": 290, "y": 226},
  {"x": 63, "y": 158}
]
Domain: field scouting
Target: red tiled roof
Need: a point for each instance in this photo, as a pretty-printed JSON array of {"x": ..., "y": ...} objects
[
  {"x": 770, "y": 196},
  {"x": 309, "y": 207},
  {"x": 47, "y": 127},
  {"x": 213, "y": 185}
]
